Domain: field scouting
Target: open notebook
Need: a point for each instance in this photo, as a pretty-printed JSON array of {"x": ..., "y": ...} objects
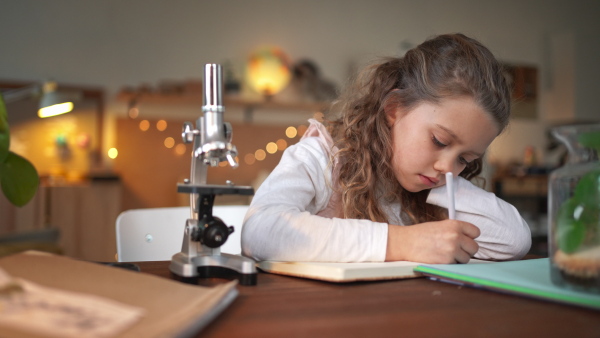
[{"x": 345, "y": 272}]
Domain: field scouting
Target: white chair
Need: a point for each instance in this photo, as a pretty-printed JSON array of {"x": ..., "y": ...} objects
[{"x": 156, "y": 234}]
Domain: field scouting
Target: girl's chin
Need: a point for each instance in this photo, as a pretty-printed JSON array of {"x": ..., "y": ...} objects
[{"x": 413, "y": 188}]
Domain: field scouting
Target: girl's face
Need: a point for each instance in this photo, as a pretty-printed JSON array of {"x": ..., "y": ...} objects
[{"x": 433, "y": 139}]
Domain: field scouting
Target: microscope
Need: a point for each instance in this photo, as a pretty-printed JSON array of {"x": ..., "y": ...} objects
[{"x": 200, "y": 255}]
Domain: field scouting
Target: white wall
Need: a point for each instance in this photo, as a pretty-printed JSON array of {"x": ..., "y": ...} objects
[{"x": 114, "y": 43}]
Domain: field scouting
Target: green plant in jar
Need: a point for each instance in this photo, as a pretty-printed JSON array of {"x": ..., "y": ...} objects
[
  {"x": 579, "y": 217},
  {"x": 574, "y": 210}
]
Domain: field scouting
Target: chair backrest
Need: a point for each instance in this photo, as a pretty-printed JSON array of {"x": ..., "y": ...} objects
[{"x": 156, "y": 234}]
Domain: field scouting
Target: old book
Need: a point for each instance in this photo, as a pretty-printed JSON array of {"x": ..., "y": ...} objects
[{"x": 169, "y": 308}]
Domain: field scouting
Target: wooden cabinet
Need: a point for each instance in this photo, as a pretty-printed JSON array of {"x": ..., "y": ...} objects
[{"x": 85, "y": 215}]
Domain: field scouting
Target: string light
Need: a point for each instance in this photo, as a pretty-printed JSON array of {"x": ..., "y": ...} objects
[
  {"x": 291, "y": 132},
  {"x": 319, "y": 116},
  {"x": 169, "y": 142},
  {"x": 180, "y": 149},
  {"x": 161, "y": 125},
  {"x": 260, "y": 154},
  {"x": 271, "y": 147},
  {"x": 134, "y": 112},
  {"x": 281, "y": 144},
  {"x": 144, "y": 125},
  {"x": 249, "y": 159},
  {"x": 302, "y": 129}
]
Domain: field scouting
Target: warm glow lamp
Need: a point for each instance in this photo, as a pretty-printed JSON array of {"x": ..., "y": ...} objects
[
  {"x": 51, "y": 103},
  {"x": 268, "y": 71}
]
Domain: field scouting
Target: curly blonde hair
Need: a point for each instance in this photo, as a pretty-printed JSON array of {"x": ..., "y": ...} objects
[{"x": 445, "y": 66}]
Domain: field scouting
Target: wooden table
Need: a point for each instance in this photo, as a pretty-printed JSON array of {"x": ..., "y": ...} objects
[{"x": 280, "y": 306}]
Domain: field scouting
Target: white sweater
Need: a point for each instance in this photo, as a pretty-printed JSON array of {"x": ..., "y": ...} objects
[{"x": 282, "y": 222}]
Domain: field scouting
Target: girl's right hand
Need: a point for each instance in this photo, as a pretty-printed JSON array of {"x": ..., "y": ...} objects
[{"x": 441, "y": 242}]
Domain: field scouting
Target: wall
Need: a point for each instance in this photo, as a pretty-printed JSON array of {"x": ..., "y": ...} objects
[
  {"x": 116, "y": 43},
  {"x": 150, "y": 171}
]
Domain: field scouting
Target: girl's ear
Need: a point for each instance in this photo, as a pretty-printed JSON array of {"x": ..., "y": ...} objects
[
  {"x": 392, "y": 110},
  {"x": 392, "y": 113}
]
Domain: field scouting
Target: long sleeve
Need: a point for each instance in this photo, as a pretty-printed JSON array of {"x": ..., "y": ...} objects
[
  {"x": 504, "y": 233},
  {"x": 281, "y": 223}
]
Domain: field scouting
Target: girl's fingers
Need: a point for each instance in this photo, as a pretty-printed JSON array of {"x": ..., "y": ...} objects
[
  {"x": 470, "y": 230},
  {"x": 462, "y": 257},
  {"x": 469, "y": 246}
]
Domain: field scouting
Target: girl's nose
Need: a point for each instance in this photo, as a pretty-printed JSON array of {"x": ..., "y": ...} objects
[{"x": 444, "y": 165}]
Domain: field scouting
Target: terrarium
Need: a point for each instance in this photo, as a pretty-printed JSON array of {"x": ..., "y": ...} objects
[{"x": 574, "y": 210}]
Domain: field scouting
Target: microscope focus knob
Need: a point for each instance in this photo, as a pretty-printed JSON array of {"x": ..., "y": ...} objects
[
  {"x": 187, "y": 134},
  {"x": 216, "y": 233}
]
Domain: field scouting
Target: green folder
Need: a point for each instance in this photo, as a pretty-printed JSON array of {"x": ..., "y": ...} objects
[{"x": 529, "y": 278}]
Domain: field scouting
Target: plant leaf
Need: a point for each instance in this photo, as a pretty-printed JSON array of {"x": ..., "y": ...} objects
[
  {"x": 588, "y": 188},
  {"x": 4, "y": 133},
  {"x": 19, "y": 179},
  {"x": 570, "y": 230},
  {"x": 590, "y": 140},
  {"x": 570, "y": 236}
]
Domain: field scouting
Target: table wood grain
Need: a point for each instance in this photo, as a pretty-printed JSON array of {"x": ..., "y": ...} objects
[{"x": 280, "y": 306}]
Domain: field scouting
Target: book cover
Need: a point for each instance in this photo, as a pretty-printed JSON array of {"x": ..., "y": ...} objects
[
  {"x": 529, "y": 278},
  {"x": 170, "y": 308}
]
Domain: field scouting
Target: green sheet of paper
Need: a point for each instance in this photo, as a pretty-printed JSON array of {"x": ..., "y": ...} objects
[{"x": 528, "y": 278}]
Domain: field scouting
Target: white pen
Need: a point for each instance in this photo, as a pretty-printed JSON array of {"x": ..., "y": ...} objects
[{"x": 450, "y": 190}]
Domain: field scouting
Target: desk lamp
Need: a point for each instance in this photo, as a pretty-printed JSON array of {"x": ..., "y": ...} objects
[
  {"x": 51, "y": 104},
  {"x": 204, "y": 233}
]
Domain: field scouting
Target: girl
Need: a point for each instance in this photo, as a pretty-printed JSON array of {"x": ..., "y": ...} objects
[{"x": 349, "y": 192}]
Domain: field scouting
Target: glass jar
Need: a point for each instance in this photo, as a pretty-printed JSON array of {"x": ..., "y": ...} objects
[{"x": 574, "y": 210}]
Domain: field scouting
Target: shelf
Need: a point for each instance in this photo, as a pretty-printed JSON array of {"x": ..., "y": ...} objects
[
  {"x": 525, "y": 186},
  {"x": 248, "y": 105}
]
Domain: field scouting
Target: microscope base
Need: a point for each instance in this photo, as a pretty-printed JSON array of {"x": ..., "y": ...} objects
[{"x": 215, "y": 266}]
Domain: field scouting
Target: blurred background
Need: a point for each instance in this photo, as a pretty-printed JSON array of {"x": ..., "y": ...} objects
[{"x": 134, "y": 69}]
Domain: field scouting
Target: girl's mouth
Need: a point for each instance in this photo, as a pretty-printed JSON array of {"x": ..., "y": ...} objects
[{"x": 429, "y": 181}]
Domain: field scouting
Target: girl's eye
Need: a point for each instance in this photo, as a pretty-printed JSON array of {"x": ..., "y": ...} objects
[{"x": 437, "y": 142}]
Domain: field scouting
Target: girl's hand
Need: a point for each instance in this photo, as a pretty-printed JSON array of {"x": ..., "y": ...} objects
[{"x": 442, "y": 242}]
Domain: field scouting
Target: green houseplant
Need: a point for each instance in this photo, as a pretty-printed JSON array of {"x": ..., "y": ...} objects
[
  {"x": 18, "y": 177},
  {"x": 578, "y": 216},
  {"x": 574, "y": 210}
]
